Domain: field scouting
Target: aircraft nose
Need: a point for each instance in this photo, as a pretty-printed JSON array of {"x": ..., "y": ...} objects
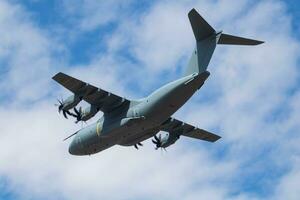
[{"x": 74, "y": 148}]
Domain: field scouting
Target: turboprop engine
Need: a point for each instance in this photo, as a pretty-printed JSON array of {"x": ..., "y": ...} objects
[
  {"x": 86, "y": 114},
  {"x": 69, "y": 103},
  {"x": 165, "y": 141}
]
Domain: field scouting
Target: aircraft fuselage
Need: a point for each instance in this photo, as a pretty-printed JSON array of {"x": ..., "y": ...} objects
[{"x": 138, "y": 122}]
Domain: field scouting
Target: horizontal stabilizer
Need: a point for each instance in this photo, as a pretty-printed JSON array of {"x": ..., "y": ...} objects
[{"x": 234, "y": 40}]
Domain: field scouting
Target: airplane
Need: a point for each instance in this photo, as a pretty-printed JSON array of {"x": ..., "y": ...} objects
[{"x": 128, "y": 122}]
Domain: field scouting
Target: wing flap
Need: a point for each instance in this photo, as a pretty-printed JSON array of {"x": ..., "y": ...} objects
[
  {"x": 100, "y": 98},
  {"x": 173, "y": 125}
]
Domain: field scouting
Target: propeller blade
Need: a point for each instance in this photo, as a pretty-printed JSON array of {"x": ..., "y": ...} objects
[
  {"x": 78, "y": 114},
  {"x": 135, "y": 146},
  {"x": 76, "y": 111},
  {"x": 140, "y": 144},
  {"x": 59, "y": 101},
  {"x": 60, "y": 105},
  {"x": 156, "y": 138},
  {"x": 155, "y": 142},
  {"x": 65, "y": 115}
]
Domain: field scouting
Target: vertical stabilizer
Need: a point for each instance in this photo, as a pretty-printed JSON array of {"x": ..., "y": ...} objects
[
  {"x": 206, "y": 40},
  {"x": 201, "y": 28}
]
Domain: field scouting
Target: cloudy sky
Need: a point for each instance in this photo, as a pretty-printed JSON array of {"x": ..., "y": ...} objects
[{"x": 251, "y": 99}]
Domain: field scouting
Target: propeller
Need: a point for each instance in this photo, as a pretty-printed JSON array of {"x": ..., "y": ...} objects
[
  {"x": 138, "y": 144},
  {"x": 60, "y": 108},
  {"x": 65, "y": 114},
  {"x": 60, "y": 105},
  {"x": 157, "y": 141},
  {"x": 78, "y": 114}
]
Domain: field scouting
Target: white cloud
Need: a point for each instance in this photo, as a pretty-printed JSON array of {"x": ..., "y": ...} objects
[
  {"x": 88, "y": 15},
  {"x": 26, "y": 53},
  {"x": 248, "y": 84}
]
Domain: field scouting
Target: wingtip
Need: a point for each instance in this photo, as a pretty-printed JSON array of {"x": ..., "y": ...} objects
[
  {"x": 260, "y": 42},
  {"x": 56, "y": 75},
  {"x": 256, "y": 42},
  {"x": 217, "y": 137}
]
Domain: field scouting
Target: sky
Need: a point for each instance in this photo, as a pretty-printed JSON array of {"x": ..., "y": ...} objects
[{"x": 251, "y": 99}]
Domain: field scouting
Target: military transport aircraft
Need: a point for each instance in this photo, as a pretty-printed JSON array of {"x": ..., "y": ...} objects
[{"x": 129, "y": 122}]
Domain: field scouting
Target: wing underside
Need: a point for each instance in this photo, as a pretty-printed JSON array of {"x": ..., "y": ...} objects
[
  {"x": 103, "y": 100},
  {"x": 175, "y": 126}
]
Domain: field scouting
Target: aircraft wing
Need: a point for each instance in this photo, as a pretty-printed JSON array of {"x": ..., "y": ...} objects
[
  {"x": 103, "y": 100},
  {"x": 173, "y": 125}
]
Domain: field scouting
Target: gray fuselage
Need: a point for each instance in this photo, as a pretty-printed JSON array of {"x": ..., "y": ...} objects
[{"x": 137, "y": 121}]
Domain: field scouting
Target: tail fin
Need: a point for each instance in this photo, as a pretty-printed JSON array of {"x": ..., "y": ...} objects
[{"x": 206, "y": 40}]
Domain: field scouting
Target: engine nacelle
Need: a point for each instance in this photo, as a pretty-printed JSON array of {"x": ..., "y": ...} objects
[
  {"x": 70, "y": 102},
  {"x": 165, "y": 141},
  {"x": 89, "y": 112}
]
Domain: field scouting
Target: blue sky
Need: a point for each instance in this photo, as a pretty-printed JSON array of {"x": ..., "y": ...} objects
[{"x": 252, "y": 99}]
